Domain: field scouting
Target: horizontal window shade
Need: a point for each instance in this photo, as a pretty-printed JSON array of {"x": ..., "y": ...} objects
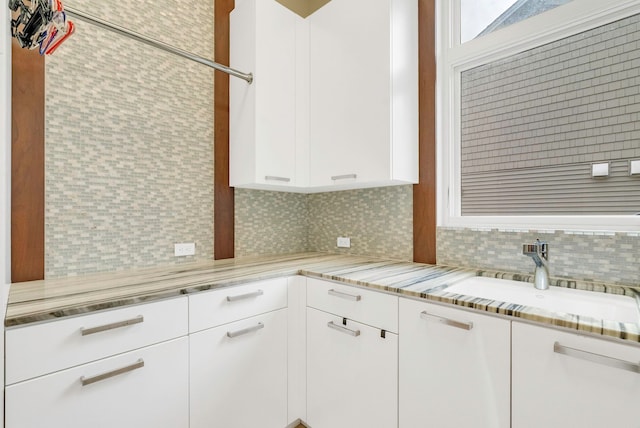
[
  {"x": 561, "y": 190},
  {"x": 532, "y": 124}
]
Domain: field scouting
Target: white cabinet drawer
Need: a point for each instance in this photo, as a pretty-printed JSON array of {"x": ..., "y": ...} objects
[
  {"x": 365, "y": 306},
  {"x": 35, "y": 350},
  {"x": 214, "y": 308},
  {"x": 129, "y": 395}
]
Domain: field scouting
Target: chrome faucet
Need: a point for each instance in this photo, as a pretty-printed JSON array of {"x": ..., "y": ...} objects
[{"x": 539, "y": 252}]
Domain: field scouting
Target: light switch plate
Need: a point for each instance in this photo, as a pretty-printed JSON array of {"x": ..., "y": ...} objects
[
  {"x": 184, "y": 249},
  {"x": 344, "y": 242}
]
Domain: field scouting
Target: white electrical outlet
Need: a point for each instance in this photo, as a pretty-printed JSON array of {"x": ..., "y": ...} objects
[
  {"x": 344, "y": 242},
  {"x": 184, "y": 249}
]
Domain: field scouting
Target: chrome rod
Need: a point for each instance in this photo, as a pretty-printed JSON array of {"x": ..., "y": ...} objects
[
  {"x": 341, "y": 329},
  {"x": 596, "y": 358},
  {"x": 83, "y": 16},
  {"x": 344, "y": 177},
  {"x": 245, "y": 296},
  {"x": 93, "y": 379},
  {"x": 447, "y": 321},
  {"x": 87, "y": 331},
  {"x": 274, "y": 178},
  {"x": 355, "y": 298},
  {"x": 247, "y": 330}
]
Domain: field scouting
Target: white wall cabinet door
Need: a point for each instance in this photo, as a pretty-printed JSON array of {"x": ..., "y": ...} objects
[
  {"x": 566, "y": 379},
  {"x": 240, "y": 381},
  {"x": 363, "y": 92},
  {"x": 334, "y": 102},
  {"x": 148, "y": 387},
  {"x": 262, "y": 115},
  {"x": 352, "y": 381},
  {"x": 454, "y": 368}
]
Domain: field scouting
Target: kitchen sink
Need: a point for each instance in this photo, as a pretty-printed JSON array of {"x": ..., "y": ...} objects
[{"x": 612, "y": 307}]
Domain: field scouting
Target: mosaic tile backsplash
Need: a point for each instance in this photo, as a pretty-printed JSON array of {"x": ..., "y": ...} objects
[
  {"x": 270, "y": 223},
  {"x": 592, "y": 256},
  {"x": 378, "y": 221},
  {"x": 129, "y": 141}
]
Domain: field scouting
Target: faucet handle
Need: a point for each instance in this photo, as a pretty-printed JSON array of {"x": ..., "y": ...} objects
[{"x": 541, "y": 248}]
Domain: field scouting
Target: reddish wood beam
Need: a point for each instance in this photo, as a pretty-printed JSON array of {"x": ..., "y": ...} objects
[
  {"x": 27, "y": 165},
  {"x": 223, "y": 200},
  {"x": 424, "y": 193}
]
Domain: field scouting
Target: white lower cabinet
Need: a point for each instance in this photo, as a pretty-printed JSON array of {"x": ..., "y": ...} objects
[
  {"x": 352, "y": 373},
  {"x": 238, "y": 375},
  {"x": 563, "y": 379},
  {"x": 147, "y": 387},
  {"x": 453, "y": 368},
  {"x": 266, "y": 353}
]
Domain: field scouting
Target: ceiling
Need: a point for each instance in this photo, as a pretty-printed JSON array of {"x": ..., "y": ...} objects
[{"x": 303, "y": 8}]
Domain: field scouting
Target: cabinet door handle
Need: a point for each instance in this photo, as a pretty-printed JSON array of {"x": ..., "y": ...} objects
[
  {"x": 596, "y": 358},
  {"x": 97, "y": 378},
  {"x": 87, "y": 331},
  {"x": 344, "y": 177},
  {"x": 247, "y": 330},
  {"x": 274, "y": 178},
  {"x": 353, "y": 297},
  {"x": 447, "y": 321},
  {"x": 245, "y": 296},
  {"x": 354, "y": 333}
]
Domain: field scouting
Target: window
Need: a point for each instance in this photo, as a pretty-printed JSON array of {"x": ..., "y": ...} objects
[
  {"x": 480, "y": 17},
  {"x": 528, "y": 103}
]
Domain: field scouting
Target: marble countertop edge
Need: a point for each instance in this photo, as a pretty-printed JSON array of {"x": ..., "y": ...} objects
[{"x": 41, "y": 301}]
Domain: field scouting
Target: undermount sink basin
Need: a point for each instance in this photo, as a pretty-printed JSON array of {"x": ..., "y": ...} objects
[{"x": 578, "y": 302}]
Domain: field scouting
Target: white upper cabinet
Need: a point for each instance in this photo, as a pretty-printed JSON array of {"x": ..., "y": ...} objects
[
  {"x": 262, "y": 115},
  {"x": 364, "y": 89},
  {"x": 334, "y": 104}
]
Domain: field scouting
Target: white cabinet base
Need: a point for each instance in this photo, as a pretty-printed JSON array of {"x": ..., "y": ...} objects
[
  {"x": 454, "y": 368},
  {"x": 352, "y": 381},
  {"x": 240, "y": 381},
  {"x": 551, "y": 389}
]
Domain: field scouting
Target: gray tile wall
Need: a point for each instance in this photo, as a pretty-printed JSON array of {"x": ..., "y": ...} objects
[
  {"x": 129, "y": 141},
  {"x": 606, "y": 257},
  {"x": 270, "y": 223},
  {"x": 378, "y": 221}
]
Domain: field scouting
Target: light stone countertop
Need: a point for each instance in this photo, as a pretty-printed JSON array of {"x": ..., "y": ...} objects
[{"x": 46, "y": 300}]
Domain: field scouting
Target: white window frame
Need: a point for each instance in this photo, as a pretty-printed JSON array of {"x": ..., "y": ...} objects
[{"x": 453, "y": 58}]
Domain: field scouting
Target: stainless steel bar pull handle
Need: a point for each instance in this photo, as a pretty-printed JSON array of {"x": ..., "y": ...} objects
[
  {"x": 245, "y": 296},
  {"x": 447, "y": 321},
  {"x": 247, "y": 330},
  {"x": 353, "y": 297},
  {"x": 341, "y": 329},
  {"x": 344, "y": 177},
  {"x": 596, "y": 358},
  {"x": 97, "y": 378},
  {"x": 87, "y": 331},
  {"x": 275, "y": 178}
]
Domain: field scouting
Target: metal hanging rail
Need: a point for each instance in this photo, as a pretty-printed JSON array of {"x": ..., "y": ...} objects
[{"x": 155, "y": 43}]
